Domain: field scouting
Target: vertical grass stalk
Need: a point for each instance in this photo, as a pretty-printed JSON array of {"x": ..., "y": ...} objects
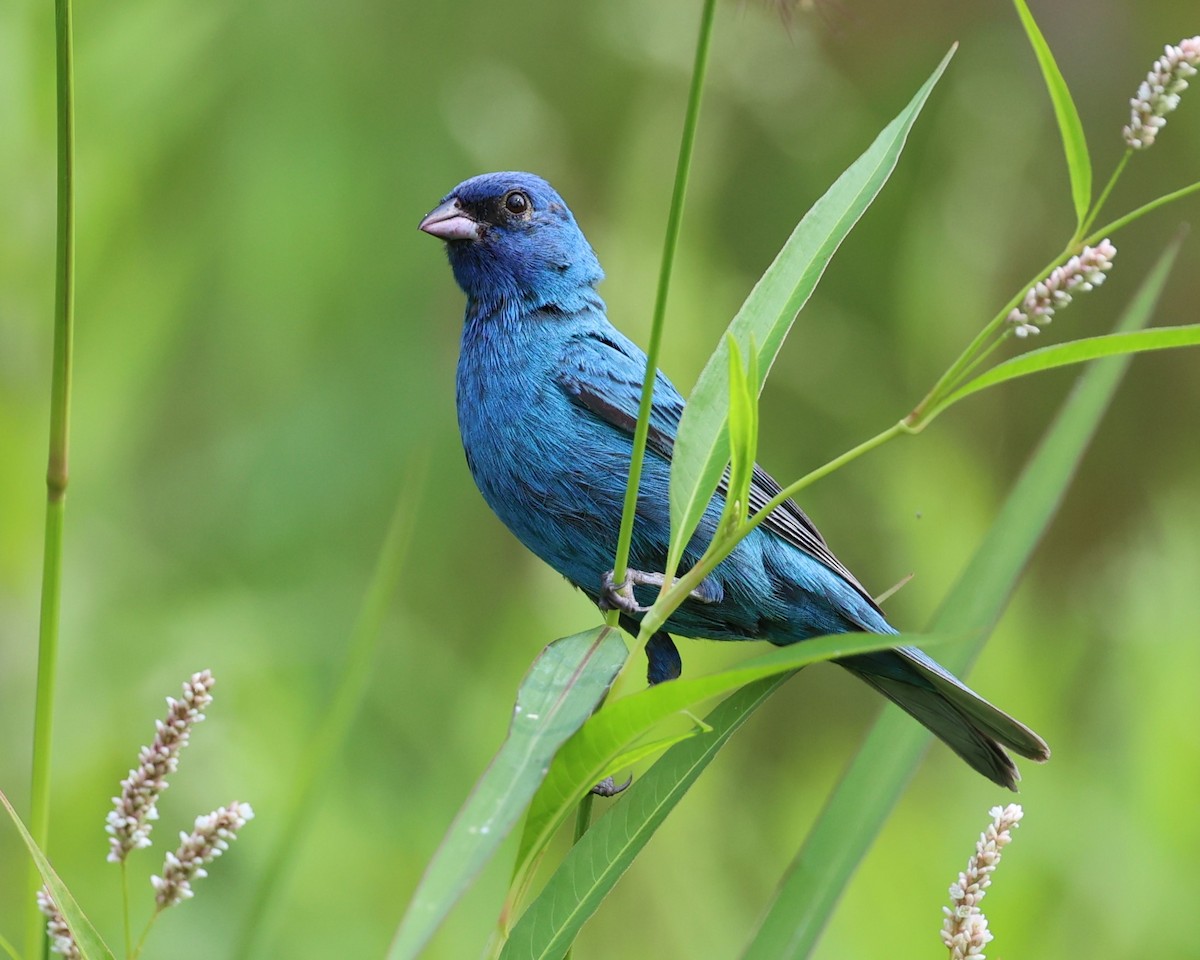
[
  {"x": 683, "y": 167},
  {"x": 674, "y": 219},
  {"x": 56, "y": 473}
]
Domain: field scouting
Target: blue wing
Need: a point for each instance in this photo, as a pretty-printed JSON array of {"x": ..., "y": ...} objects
[{"x": 602, "y": 371}]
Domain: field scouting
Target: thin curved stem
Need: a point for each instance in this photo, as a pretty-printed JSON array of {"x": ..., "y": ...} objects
[
  {"x": 1145, "y": 208},
  {"x": 723, "y": 544},
  {"x": 1108, "y": 188},
  {"x": 125, "y": 909}
]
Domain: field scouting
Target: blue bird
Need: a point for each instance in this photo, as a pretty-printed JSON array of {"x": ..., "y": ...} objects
[{"x": 547, "y": 399}]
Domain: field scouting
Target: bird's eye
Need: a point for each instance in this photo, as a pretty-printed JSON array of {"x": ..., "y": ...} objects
[{"x": 516, "y": 203}]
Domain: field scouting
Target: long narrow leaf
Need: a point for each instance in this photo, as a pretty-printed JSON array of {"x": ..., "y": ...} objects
[
  {"x": 563, "y": 686},
  {"x": 587, "y": 756},
  {"x": 1078, "y": 351},
  {"x": 338, "y": 718},
  {"x": 856, "y": 810},
  {"x": 1079, "y": 164},
  {"x": 91, "y": 946},
  {"x": 702, "y": 446},
  {"x": 546, "y": 930}
]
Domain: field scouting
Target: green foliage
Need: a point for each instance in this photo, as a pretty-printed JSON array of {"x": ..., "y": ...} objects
[
  {"x": 1070, "y": 127},
  {"x": 702, "y": 446},
  {"x": 743, "y": 432},
  {"x": 90, "y": 945},
  {"x": 591, "y": 754},
  {"x": 855, "y": 812},
  {"x": 263, "y": 347},
  {"x": 597, "y": 862},
  {"x": 562, "y": 687},
  {"x": 1077, "y": 351}
]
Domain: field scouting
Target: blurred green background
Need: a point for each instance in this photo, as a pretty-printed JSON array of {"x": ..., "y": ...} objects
[{"x": 266, "y": 345}]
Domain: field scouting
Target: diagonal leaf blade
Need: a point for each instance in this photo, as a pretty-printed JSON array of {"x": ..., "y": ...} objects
[
  {"x": 561, "y": 689},
  {"x": 89, "y": 942},
  {"x": 1070, "y": 127},
  {"x": 593, "y": 866},
  {"x": 1079, "y": 351},
  {"x": 856, "y": 810},
  {"x": 702, "y": 446},
  {"x": 588, "y": 755}
]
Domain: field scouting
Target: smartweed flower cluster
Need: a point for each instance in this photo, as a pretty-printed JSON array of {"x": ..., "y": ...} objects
[
  {"x": 210, "y": 837},
  {"x": 1159, "y": 93},
  {"x": 965, "y": 929},
  {"x": 1078, "y": 275},
  {"x": 129, "y": 822},
  {"x": 61, "y": 940}
]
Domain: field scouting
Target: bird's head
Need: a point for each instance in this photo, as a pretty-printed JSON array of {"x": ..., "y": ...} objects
[{"x": 509, "y": 236}]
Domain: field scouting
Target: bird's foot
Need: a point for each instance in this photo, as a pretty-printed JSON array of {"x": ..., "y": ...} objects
[
  {"x": 608, "y": 787},
  {"x": 614, "y": 596}
]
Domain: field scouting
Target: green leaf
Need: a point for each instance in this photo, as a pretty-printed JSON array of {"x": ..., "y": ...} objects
[
  {"x": 562, "y": 688},
  {"x": 588, "y": 756},
  {"x": 1079, "y": 164},
  {"x": 546, "y": 930},
  {"x": 856, "y": 810},
  {"x": 91, "y": 946},
  {"x": 1078, "y": 351},
  {"x": 743, "y": 431},
  {"x": 702, "y": 445}
]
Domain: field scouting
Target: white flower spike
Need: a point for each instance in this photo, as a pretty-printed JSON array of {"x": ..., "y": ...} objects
[
  {"x": 965, "y": 929},
  {"x": 128, "y": 823},
  {"x": 1077, "y": 275},
  {"x": 1159, "y": 93}
]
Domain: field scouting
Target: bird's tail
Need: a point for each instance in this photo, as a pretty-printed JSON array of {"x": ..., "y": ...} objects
[{"x": 968, "y": 724}]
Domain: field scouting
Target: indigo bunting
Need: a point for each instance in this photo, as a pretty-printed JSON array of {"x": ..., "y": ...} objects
[{"x": 547, "y": 397}]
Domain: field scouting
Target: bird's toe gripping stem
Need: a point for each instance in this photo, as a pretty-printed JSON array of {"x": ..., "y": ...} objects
[{"x": 619, "y": 596}]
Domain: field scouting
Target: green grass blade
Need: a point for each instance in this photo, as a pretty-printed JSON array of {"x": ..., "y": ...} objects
[
  {"x": 856, "y": 810},
  {"x": 1079, "y": 351},
  {"x": 338, "y": 718},
  {"x": 57, "y": 471},
  {"x": 1079, "y": 164},
  {"x": 687, "y": 144},
  {"x": 91, "y": 946},
  {"x": 702, "y": 447},
  {"x": 559, "y": 692},
  {"x": 589, "y": 755},
  {"x": 546, "y": 930}
]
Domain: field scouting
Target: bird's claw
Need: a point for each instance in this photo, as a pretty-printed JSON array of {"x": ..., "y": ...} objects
[
  {"x": 614, "y": 596},
  {"x": 608, "y": 787}
]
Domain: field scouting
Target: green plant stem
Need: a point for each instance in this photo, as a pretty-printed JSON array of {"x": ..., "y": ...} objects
[
  {"x": 1141, "y": 211},
  {"x": 1108, "y": 188},
  {"x": 929, "y": 407},
  {"x": 137, "y": 951},
  {"x": 683, "y": 168},
  {"x": 125, "y": 909},
  {"x": 674, "y": 219},
  {"x": 56, "y": 473},
  {"x": 969, "y": 369},
  {"x": 955, "y": 371},
  {"x": 722, "y": 545}
]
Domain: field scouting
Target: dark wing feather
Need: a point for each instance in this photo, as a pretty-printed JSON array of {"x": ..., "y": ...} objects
[{"x": 603, "y": 374}]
